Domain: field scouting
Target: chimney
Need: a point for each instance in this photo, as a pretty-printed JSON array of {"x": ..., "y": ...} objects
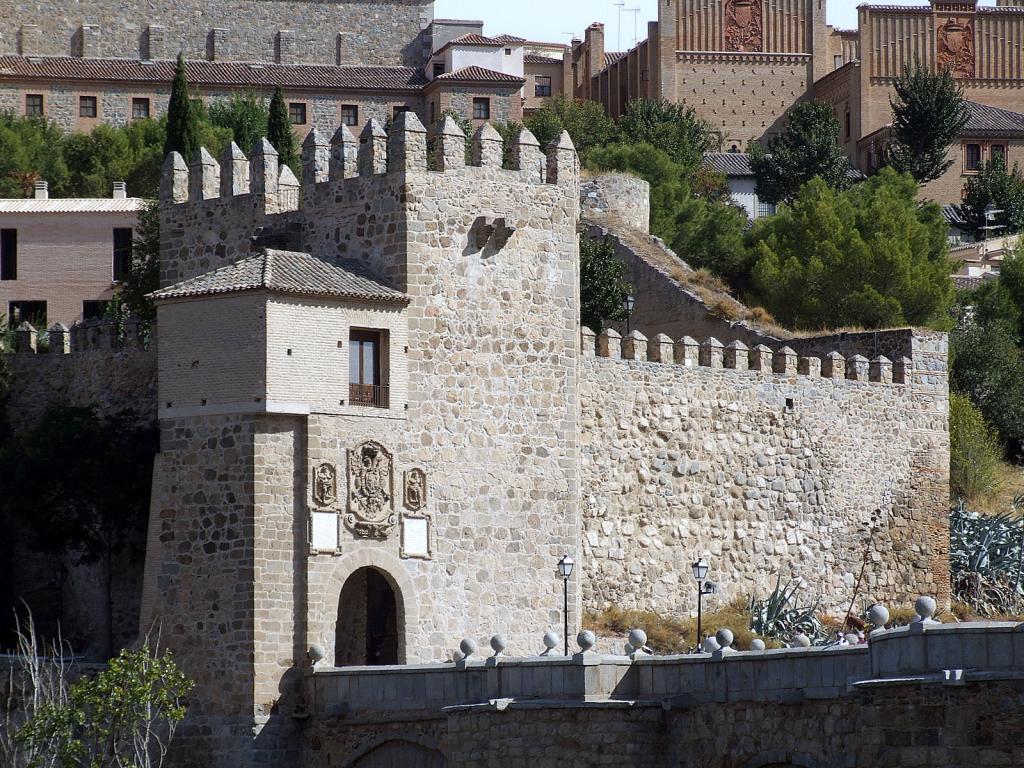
[
  {"x": 120, "y": 190},
  {"x": 42, "y": 190}
]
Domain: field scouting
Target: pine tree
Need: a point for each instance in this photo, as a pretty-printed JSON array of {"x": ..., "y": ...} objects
[
  {"x": 928, "y": 114},
  {"x": 279, "y": 131},
  {"x": 182, "y": 124}
]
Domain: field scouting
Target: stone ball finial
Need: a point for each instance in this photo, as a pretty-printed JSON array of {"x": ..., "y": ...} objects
[
  {"x": 878, "y": 615},
  {"x": 710, "y": 645},
  {"x": 586, "y": 640},
  {"x": 757, "y": 644},
  {"x": 498, "y": 644},
  {"x": 925, "y": 606},
  {"x": 637, "y": 639},
  {"x": 458, "y": 656},
  {"x": 550, "y": 640},
  {"x": 316, "y": 653},
  {"x": 724, "y": 637},
  {"x": 468, "y": 647},
  {"x": 801, "y": 641}
]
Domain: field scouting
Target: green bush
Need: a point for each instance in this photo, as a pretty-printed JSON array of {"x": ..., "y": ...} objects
[{"x": 975, "y": 455}]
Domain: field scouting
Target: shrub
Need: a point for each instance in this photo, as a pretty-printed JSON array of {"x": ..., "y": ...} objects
[{"x": 975, "y": 455}]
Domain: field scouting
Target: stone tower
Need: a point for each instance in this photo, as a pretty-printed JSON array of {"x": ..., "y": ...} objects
[{"x": 368, "y": 409}]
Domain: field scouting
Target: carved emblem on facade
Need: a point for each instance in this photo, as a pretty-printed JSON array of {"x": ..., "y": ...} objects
[
  {"x": 325, "y": 484},
  {"x": 415, "y": 490},
  {"x": 743, "y": 25},
  {"x": 956, "y": 46},
  {"x": 371, "y": 509}
]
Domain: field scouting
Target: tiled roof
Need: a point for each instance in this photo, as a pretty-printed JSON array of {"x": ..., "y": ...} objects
[
  {"x": 611, "y": 58},
  {"x": 986, "y": 119},
  {"x": 952, "y": 216},
  {"x": 478, "y": 75},
  {"x": 510, "y": 39},
  {"x": 214, "y": 73},
  {"x": 965, "y": 283},
  {"x": 472, "y": 39},
  {"x": 536, "y": 58},
  {"x": 729, "y": 163},
  {"x": 74, "y": 205},
  {"x": 286, "y": 272}
]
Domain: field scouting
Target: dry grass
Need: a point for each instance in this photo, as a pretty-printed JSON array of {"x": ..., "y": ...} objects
[
  {"x": 667, "y": 635},
  {"x": 1011, "y": 485}
]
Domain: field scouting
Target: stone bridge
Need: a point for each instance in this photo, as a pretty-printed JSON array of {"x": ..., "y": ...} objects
[{"x": 924, "y": 695}]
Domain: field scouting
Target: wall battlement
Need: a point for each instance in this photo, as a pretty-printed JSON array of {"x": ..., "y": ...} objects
[{"x": 736, "y": 355}]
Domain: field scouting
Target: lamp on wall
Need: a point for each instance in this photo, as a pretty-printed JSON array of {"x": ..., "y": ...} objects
[
  {"x": 627, "y": 304},
  {"x": 565, "y": 566},
  {"x": 700, "y": 573}
]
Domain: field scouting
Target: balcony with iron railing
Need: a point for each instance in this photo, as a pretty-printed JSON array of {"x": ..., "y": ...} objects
[{"x": 369, "y": 395}]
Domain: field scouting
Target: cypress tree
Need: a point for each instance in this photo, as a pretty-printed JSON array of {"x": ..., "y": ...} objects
[
  {"x": 279, "y": 131},
  {"x": 182, "y": 123}
]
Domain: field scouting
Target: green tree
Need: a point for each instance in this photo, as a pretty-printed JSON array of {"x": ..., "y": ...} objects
[
  {"x": 510, "y": 136},
  {"x": 711, "y": 236},
  {"x": 280, "y": 133},
  {"x": 585, "y": 121},
  {"x": 808, "y": 148},
  {"x": 31, "y": 149},
  {"x": 124, "y": 717},
  {"x": 144, "y": 271},
  {"x": 97, "y": 505},
  {"x": 675, "y": 129},
  {"x": 928, "y": 114},
  {"x": 245, "y": 114},
  {"x": 975, "y": 456},
  {"x": 182, "y": 125},
  {"x": 602, "y": 289},
  {"x": 869, "y": 257},
  {"x": 1000, "y": 188}
]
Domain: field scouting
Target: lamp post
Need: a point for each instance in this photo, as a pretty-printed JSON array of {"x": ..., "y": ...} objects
[
  {"x": 627, "y": 304},
  {"x": 565, "y": 566},
  {"x": 700, "y": 573}
]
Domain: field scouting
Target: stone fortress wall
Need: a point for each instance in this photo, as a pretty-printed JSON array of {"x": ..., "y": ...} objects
[{"x": 363, "y": 32}]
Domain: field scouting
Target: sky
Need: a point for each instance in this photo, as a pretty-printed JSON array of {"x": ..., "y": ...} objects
[{"x": 556, "y": 21}]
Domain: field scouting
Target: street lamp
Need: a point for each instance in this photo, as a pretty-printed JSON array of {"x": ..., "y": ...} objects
[
  {"x": 565, "y": 566},
  {"x": 627, "y": 304},
  {"x": 700, "y": 573}
]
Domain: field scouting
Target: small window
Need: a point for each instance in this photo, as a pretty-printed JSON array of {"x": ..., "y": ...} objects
[
  {"x": 846, "y": 125},
  {"x": 438, "y": 68},
  {"x": 481, "y": 109},
  {"x": 399, "y": 110},
  {"x": 542, "y": 89},
  {"x": 34, "y": 105},
  {"x": 368, "y": 385},
  {"x": 433, "y": 112},
  {"x": 33, "y": 312},
  {"x": 508, "y": 51},
  {"x": 349, "y": 114},
  {"x": 297, "y": 113},
  {"x": 765, "y": 209},
  {"x": 8, "y": 254},
  {"x": 837, "y": 60},
  {"x": 94, "y": 310},
  {"x": 999, "y": 153},
  {"x": 972, "y": 159},
  {"x": 87, "y": 106},
  {"x": 122, "y": 253},
  {"x": 140, "y": 109}
]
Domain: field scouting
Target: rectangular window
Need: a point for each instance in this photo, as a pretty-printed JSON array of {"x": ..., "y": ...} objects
[
  {"x": 122, "y": 253},
  {"x": 846, "y": 126},
  {"x": 399, "y": 110},
  {"x": 765, "y": 209},
  {"x": 94, "y": 310},
  {"x": 367, "y": 383},
  {"x": 87, "y": 106},
  {"x": 542, "y": 89},
  {"x": 508, "y": 51},
  {"x": 34, "y": 105},
  {"x": 27, "y": 312},
  {"x": 438, "y": 68},
  {"x": 349, "y": 114},
  {"x": 481, "y": 109},
  {"x": 433, "y": 112},
  {"x": 837, "y": 61},
  {"x": 999, "y": 153},
  {"x": 972, "y": 157},
  {"x": 8, "y": 254},
  {"x": 297, "y": 113},
  {"x": 140, "y": 109}
]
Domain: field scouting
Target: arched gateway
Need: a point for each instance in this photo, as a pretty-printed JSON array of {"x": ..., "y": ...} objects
[{"x": 369, "y": 624}]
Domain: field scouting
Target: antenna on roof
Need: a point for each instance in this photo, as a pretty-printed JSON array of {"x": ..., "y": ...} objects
[
  {"x": 620, "y": 5},
  {"x": 636, "y": 15}
]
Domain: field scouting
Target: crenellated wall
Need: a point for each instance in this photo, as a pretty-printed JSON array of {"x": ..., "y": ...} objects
[{"x": 767, "y": 462}]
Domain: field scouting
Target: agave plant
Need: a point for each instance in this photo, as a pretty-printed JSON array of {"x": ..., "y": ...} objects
[
  {"x": 987, "y": 559},
  {"x": 779, "y": 617}
]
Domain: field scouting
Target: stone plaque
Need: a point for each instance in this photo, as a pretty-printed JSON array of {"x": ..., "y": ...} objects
[
  {"x": 416, "y": 537},
  {"x": 325, "y": 484},
  {"x": 323, "y": 533},
  {"x": 371, "y": 510},
  {"x": 415, "y": 490},
  {"x": 956, "y": 46}
]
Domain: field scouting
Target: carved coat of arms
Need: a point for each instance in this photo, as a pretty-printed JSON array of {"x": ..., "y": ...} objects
[
  {"x": 415, "y": 490},
  {"x": 743, "y": 25},
  {"x": 956, "y": 47},
  {"x": 371, "y": 509},
  {"x": 325, "y": 484}
]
